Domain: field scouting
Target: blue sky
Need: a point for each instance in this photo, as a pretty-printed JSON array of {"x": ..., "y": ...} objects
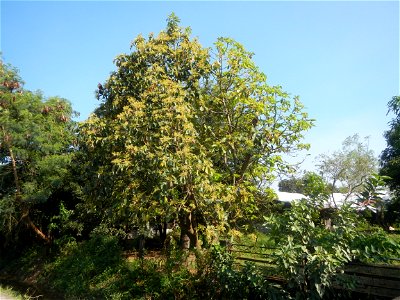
[{"x": 341, "y": 58}]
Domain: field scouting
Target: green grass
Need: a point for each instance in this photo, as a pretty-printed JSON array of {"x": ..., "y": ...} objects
[
  {"x": 257, "y": 247},
  {"x": 257, "y": 239},
  {"x": 395, "y": 237},
  {"x": 11, "y": 293}
]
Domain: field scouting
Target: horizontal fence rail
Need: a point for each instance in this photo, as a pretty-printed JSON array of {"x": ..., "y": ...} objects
[{"x": 374, "y": 279}]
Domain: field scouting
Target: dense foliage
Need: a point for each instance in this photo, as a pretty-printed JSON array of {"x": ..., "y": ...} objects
[
  {"x": 311, "y": 256},
  {"x": 36, "y": 141},
  {"x": 291, "y": 185},
  {"x": 390, "y": 159},
  {"x": 308, "y": 253},
  {"x": 310, "y": 184},
  {"x": 190, "y": 134}
]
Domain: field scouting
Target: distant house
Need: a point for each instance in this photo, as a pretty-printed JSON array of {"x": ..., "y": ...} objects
[
  {"x": 335, "y": 200},
  {"x": 289, "y": 197}
]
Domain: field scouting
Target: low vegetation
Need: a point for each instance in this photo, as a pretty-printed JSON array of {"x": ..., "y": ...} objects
[
  {"x": 299, "y": 249},
  {"x": 8, "y": 293}
]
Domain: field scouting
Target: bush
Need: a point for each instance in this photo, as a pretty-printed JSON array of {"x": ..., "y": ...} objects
[
  {"x": 223, "y": 280},
  {"x": 309, "y": 254},
  {"x": 95, "y": 269},
  {"x": 375, "y": 246}
]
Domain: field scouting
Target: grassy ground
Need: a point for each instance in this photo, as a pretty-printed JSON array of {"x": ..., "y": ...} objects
[
  {"x": 256, "y": 248},
  {"x": 8, "y": 293},
  {"x": 395, "y": 237}
]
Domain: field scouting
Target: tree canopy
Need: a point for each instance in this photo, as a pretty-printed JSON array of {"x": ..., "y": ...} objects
[
  {"x": 35, "y": 139},
  {"x": 349, "y": 167},
  {"x": 189, "y": 133},
  {"x": 310, "y": 184},
  {"x": 390, "y": 158}
]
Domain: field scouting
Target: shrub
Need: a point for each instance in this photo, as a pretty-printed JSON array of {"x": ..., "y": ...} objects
[
  {"x": 375, "y": 246},
  {"x": 309, "y": 255},
  {"x": 224, "y": 280}
]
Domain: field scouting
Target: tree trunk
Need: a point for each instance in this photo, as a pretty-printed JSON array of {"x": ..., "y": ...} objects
[
  {"x": 141, "y": 246},
  {"x": 163, "y": 232},
  {"x": 326, "y": 216},
  {"x": 189, "y": 235},
  {"x": 36, "y": 230},
  {"x": 162, "y": 226},
  {"x": 16, "y": 179}
]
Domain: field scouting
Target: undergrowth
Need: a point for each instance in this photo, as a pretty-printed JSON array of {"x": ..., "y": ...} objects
[
  {"x": 11, "y": 293},
  {"x": 97, "y": 269}
]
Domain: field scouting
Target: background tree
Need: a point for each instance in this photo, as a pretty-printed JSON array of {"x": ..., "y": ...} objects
[
  {"x": 291, "y": 185},
  {"x": 189, "y": 133},
  {"x": 310, "y": 184},
  {"x": 390, "y": 160},
  {"x": 315, "y": 187},
  {"x": 35, "y": 139},
  {"x": 349, "y": 167}
]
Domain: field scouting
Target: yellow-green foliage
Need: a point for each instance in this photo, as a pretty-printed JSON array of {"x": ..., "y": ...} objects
[
  {"x": 10, "y": 293},
  {"x": 189, "y": 133}
]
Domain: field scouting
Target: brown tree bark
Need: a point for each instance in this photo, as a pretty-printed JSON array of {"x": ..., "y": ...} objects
[
  {"x": 189, "y": 235},
  {"x": 36, "y": 230}
]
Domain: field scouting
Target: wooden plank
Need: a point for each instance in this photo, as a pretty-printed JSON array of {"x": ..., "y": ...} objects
[
  {"x": 252, "y": 246},
  {"x": 250, "y": 252},
  {"x": 277, "y": 279},
  {"x": 390, "y": 293},
  {"x": 377, "y": 270},
  {"x": 375, "y": 265},
  {"x": 375, "y": 291},
  {"x": 253, "y": 260},
  {"x": 382, "y": 265},
  {"x": 366, "y": 281}
]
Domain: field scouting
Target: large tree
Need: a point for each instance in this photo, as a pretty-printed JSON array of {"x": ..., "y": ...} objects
[
  {"x": 35, "y": 136},
  {"x": 189, "y": 133}
]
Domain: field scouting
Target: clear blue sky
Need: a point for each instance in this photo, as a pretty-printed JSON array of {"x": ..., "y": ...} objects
[{"x": 341, "y": 58}]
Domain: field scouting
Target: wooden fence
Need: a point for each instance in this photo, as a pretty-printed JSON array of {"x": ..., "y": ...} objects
[
  {"x": 373, "y": 279},
  {"x": 378, "y": 280}
]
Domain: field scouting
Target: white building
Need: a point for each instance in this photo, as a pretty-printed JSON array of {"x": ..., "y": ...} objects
[{"x": 335, "y": 200}]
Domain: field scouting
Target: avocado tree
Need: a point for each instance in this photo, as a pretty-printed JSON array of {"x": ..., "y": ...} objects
[
  {"x": 35, "y": 136},
  {"x": 189, "y": 133}
]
